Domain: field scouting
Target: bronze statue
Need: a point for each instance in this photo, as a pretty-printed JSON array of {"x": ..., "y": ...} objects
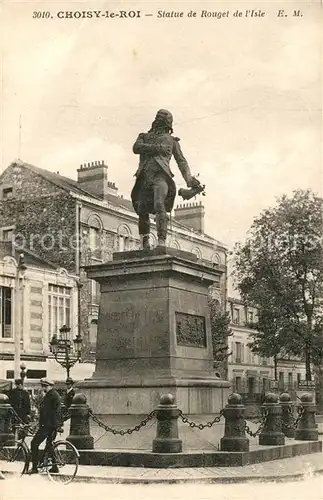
[{"x": 154, "y": 190}]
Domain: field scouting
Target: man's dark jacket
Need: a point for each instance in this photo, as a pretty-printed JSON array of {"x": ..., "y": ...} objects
[
  {"x": 50, "y": 410},
  {"x": 69, "y": 398},
  {"x": 20, "y": 401}
]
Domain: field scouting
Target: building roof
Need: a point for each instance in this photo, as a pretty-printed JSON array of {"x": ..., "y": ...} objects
[
  {"x": 71, "y": 185},
  {"x": 119, "y": 201},
  {"x": 59, "y": 180},
  {"x": 30, "y": 258}
]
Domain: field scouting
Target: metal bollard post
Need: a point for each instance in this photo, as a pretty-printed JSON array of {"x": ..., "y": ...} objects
[
  {"x": 167, "y": 413},
  {"x": 7, "y": 438},
  {"x": 234, "y": 438},
  {"x": 306, "y": 429},
  {"x": 80, "y": 424},
  {"x": 271, "y": 433},
  {"x": 287, "y": 415}
]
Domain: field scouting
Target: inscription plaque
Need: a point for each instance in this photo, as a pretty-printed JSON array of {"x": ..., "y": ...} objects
[{"x": 190, "y": 330}]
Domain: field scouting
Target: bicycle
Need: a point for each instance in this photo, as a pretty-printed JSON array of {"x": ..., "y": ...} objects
[{"x": 15, "y": 459}]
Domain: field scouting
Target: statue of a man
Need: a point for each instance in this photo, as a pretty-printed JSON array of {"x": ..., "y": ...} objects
[{"x": 154, "y": 190}]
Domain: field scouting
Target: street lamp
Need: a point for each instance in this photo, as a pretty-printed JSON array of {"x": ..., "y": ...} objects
[
  {"x": 63, "y": 351},
  {"x": 20, "y": 269},
  {"x": 23, "y": 373},
  {"x": 319, "y": 388}
]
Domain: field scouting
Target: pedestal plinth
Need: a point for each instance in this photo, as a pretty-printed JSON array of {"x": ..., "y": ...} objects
[{"x": 154, "y": 335}]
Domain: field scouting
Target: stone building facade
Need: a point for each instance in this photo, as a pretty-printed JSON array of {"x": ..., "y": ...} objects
[
  {"x": 47, "y": 297},
  {"x": 73, "y": 223},
  {"x": 249, "y": 373}
]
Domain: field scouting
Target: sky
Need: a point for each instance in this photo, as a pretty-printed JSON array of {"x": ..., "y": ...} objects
[{"x": 246, "y": 95}]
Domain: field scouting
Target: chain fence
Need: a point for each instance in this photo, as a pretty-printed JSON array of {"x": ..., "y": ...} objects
[
  {"x": 192, "y": 424},
  {"x": 149, "y": 417},
  {"x": 262, "y": 421},
  {"x": 122, "y": 432},
  {"x": 17, "y": 421},
  {"x": 294, "y": 424}
]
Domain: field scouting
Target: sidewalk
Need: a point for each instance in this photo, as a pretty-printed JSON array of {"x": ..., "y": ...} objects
[{"x": 288, "y": 469}]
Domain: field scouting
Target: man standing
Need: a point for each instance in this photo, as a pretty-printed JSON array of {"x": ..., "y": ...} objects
[
  {"x": 50, "y": 421},
  {"x": 154, "y": 190},
  {"x": 70, "y": 393},
  {"x": 20, "y": 400}
]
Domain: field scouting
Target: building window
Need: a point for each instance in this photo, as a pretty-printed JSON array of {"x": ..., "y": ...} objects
[
  {"x": 239, "y": 352},
  {"x": 174, "y": 244},
  {"x": 5, "y": 313},
  {"x": 236, "y": 316},
  {"x": 95, "y": 292},
  {"x": 290, "y": 379},
  {"x": 124, "y": 240},
  {"x": 250, "y": 317},
  {"x": 59, "y": 308},
  {"x": 95, "y": 242},
  {"x": 265, "y": 384},
  {"x": 94, "y": 238},
  {"x": 238, "y": 384},
  {"x": 299, "y": 378},
  {"x": 7, "y": 193},
  {"x": 196, "y": 251},
  {"x": 251, "y": 385},
  {"x": 216, "y": 260},
  {"x": 123, "y": 243},
  {"x": 7, "y": 234},
  {"x": 93, "y": 333}
]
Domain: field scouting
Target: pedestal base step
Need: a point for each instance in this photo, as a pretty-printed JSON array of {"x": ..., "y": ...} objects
[{"x": 133, "y": 458}]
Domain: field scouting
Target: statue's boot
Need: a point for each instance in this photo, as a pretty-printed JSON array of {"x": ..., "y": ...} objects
[
  {"x": 145, "y": 245},
  {"x": 144, "y": 230},
  {"x": 161, "y": 223}
]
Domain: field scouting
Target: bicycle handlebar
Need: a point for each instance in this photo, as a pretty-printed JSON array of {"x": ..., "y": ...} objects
[{"x": 27, "y": 429}]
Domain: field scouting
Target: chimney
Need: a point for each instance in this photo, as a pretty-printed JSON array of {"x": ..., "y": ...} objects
[
  {"x": 112, "y": 188},
  {"x": 93, "y": 177},
  {"x": 191, "y": 215}
]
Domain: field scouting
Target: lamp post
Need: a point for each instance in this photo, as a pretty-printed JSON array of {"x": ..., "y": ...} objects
[
  {"x": 23, "y": 373},
  {"x": 63, "y": 351},
  {"x": 20, "y": 269},
  {"x": 319, "y": 384}
]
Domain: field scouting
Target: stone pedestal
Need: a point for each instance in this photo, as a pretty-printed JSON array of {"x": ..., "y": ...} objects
[{"x": 154, "y": 335}]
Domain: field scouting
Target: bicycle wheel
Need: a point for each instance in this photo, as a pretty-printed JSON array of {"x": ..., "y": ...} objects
[
  {"x": 14, "y": 460},
  {"x": 66, "y": 459}
]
